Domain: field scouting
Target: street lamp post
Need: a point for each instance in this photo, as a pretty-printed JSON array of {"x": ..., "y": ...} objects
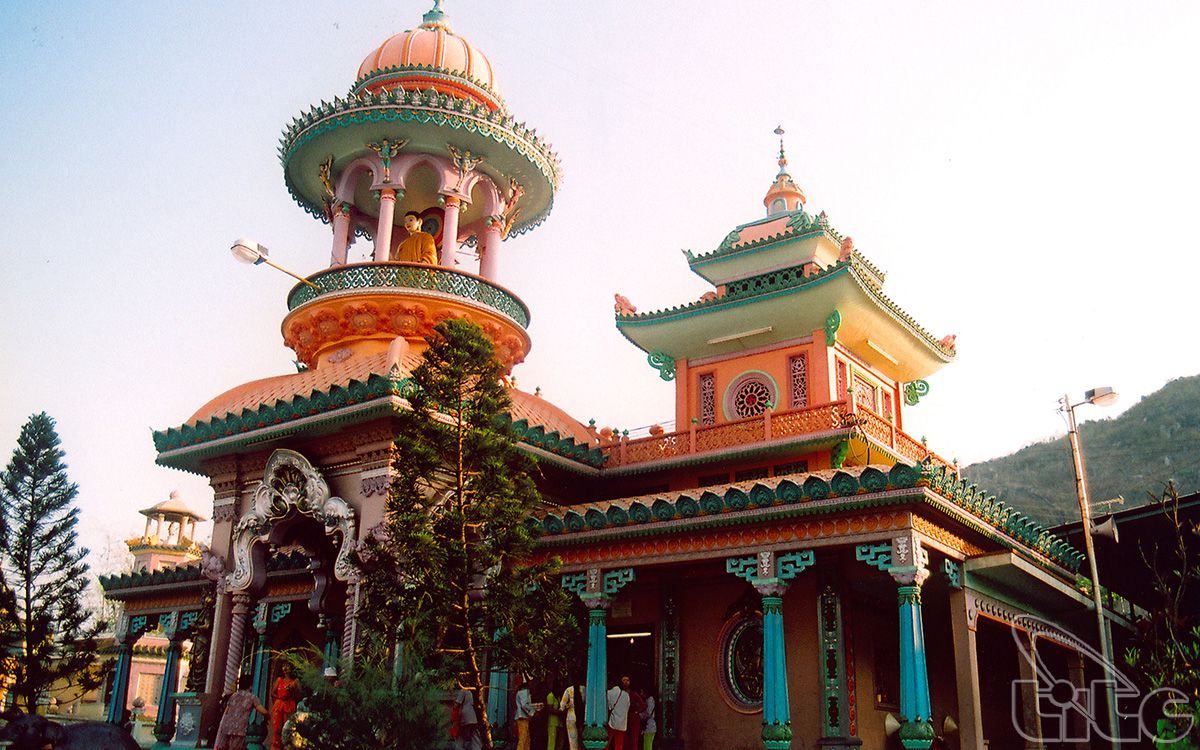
[
  {"x": 1099, "y": 397},
  {"x": 250, "y": 252}
]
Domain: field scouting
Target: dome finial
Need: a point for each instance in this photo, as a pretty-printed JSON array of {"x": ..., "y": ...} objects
[
  {"x": 784, "y": 194},
  {"x": 782, "y": 158},
  {"x": 436, "y": 16}
]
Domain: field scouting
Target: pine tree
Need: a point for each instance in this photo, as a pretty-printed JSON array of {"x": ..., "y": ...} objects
[
  {"x": 45, "y": 568},
  {"x": 454, "y": 572}
]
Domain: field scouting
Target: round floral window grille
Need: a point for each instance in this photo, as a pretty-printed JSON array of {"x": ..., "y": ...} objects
[
  {"x": 741, "y": 664},
  {"x": 749, "y": 396}
]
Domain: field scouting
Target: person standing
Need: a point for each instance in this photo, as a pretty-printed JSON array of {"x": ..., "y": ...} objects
[
  {"x": 649, "y": 725},
  {"x": 618, "y": 714},
  {"x": 231, "y": 734},
  {"x": 524, "y": 714},
  {"x": 572, "y": 716},
  {"x": 553, "y": 719},
  {"x": 284, "y": 695},
  {"x": 468, "y": 737},
  {"x": 633, "y": 727}
]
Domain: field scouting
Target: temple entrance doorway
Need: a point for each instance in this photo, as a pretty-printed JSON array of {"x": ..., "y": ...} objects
[{"x": 631, "y": 652}]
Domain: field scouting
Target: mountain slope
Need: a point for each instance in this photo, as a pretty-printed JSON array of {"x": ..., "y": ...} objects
[{"x": 1132, "y": 455}]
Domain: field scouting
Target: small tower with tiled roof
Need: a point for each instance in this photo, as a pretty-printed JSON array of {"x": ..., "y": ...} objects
[{"x": 169, "y": 539}]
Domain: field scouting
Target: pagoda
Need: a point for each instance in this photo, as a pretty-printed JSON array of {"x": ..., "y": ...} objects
[
  {"x": 785, "y": 567},
  {"x": 796, "y": 349}
]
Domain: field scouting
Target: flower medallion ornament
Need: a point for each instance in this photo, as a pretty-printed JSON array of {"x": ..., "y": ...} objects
[{"x": 742, "y": 663}]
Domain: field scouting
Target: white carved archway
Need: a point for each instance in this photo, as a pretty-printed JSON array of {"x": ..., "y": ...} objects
[{"x": 290, "y": 483}]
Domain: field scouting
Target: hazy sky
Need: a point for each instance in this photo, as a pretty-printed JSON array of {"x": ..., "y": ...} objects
[{"x": 1024, "y": 171}]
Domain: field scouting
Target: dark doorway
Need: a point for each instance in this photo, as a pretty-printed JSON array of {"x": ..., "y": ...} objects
[{"x": 631, "y": 652}]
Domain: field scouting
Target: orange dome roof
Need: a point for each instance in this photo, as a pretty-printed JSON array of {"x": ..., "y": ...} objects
[
  {"x": 422, "y": 57},
  {"x": 256, "y": 394}
]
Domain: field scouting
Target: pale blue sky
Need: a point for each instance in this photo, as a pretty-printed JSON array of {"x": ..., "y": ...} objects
[{"x": 1025, "y": 172}]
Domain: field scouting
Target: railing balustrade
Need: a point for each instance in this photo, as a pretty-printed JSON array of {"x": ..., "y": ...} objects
[
  {"x": 364, "y": 276},
  {"x": 771, "y": 425}
]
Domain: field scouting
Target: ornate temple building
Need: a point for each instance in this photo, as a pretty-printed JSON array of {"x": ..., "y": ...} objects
[{"x": 787, "y": 568}]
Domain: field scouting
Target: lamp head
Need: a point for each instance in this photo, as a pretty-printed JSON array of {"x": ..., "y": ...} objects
[
  {"x": 248, "y": 251},
  {"x": 1103, "y": 396}
]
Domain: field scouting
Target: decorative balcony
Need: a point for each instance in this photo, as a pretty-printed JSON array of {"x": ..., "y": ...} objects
[
  {"x": 365, "y": 305},
  {"x": 827, "y": 423},
  {"x": 416, "y": 276}
]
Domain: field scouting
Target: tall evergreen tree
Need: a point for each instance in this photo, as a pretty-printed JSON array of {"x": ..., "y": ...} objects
[
  {"x": 45, "y": 568},
  {"x": 455, "y": 572}
]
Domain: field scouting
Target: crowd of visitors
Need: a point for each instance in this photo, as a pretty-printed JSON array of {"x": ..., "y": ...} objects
[
  {"x": 556, "y": 722},
  {"x": 553, "y": 723}
]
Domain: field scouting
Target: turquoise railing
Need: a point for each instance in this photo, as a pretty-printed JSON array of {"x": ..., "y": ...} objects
[{"x": 410, "y": 276}]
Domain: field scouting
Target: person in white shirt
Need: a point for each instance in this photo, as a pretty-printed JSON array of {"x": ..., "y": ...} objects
[
  {"x": 618, "y": 714},
  {"x": 468, "y": 737},
  {"x": 524, "y": 714},
  {"x": 649, "y": 726}
]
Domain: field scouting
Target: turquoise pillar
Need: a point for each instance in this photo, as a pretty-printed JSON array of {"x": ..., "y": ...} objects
[
  {"x": 916, "y": 731},
  {"x": 908, "y": 563},
  {"x": 164, "y": 723},
  {"x": 497, "y": 706},
  {"x": 330, "y": 660},
  {"x": 769, "y": 574},
  {"x": 120, "y": 688},
  {"x": 777, "y": 720},
  {"x": 595, "y": 736},
  {"x": 133, "y": 629},
  {"x": 265, "y": 616},
  {"x": 596, "y": 588}
]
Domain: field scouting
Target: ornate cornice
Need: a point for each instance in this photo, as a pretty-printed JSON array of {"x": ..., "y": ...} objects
[
  {"x": 443, "y": 110},
  {"x": 382, "y": 391},
  {"x": 659, "y": 516},
  {"x": 788, "y": 281}
]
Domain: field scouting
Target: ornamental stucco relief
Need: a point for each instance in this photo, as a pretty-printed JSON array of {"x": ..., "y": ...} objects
[{"x": 291, "y": 482}]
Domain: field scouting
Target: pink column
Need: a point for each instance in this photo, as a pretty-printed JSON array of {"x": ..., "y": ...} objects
[
  {"x": 450, "y": 231},
  {"x": 237, "y": 641},
  {"x": 341, "y": 234},
  {"x": 490, "y": 249},
  {"x": 383, "y": 234}
]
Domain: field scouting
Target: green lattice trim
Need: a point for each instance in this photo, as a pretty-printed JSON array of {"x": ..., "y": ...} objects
[
  {"x": 143, "y": 578},
  {"x": 796, "y": 229},
  {"x": 1023, "y": 529},
  {"x": 427, "y": 106},
  {"x": 337, "y": 397},
  {"x": 801, "y": 226},
  {"x": 786, "y": 281},
  {"x": 566, "y": 447},
  {"x": 706, "y": 508},
  {"x": 397, "y": 275},
  {"x": 280, "y": 412}
]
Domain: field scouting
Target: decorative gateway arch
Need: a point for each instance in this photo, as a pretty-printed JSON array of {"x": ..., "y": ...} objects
[{"x": 292, "y": 507}]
